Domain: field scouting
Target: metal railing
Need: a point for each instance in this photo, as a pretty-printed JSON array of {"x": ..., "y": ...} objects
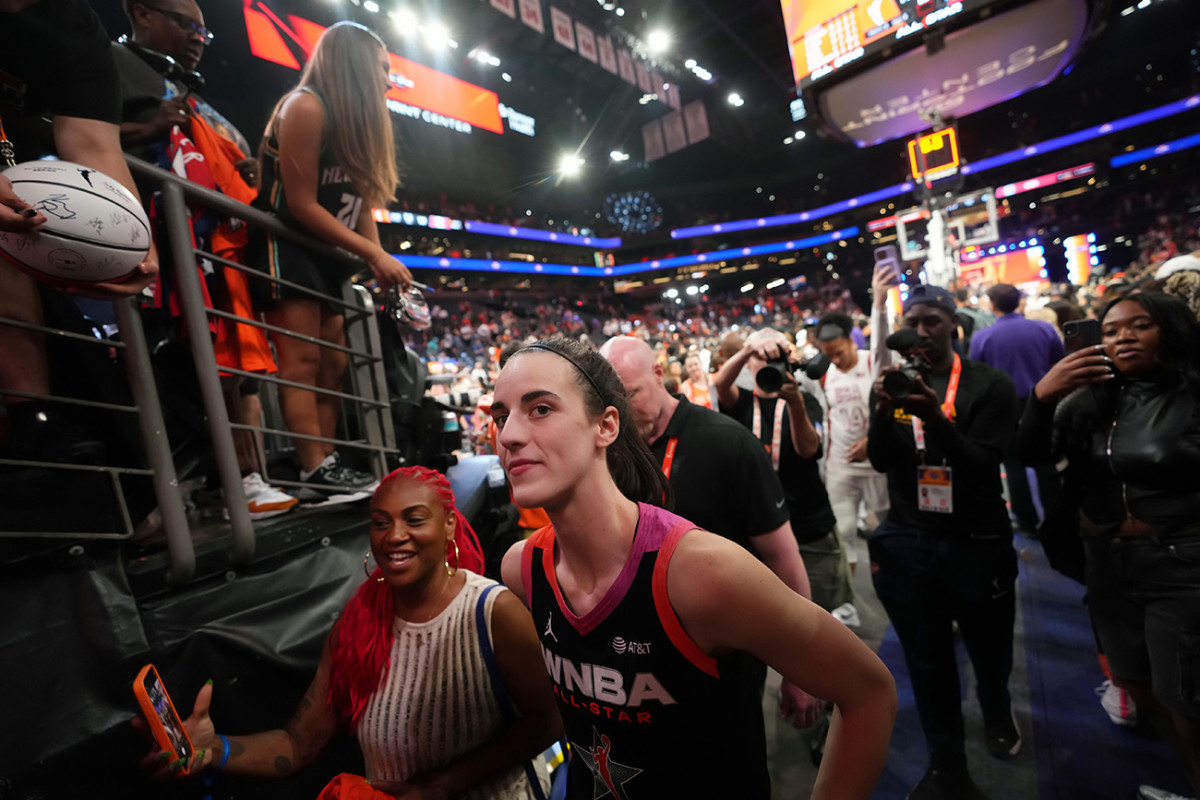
[{"x": 367, "y": 394}]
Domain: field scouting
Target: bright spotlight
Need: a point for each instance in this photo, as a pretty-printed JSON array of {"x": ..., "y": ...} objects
[
  {"x": 620, "y": 12},
  {"x": 800, "y": 135},
  {"x": 736, "y": 100},
  {"x": 371, "y": 5},
  {"x": 692, "y": 290},
  {"x": 747, "y": 287},
  {"x": 658, "y": 41},
  {"x": 570, "y": 165},
  {"x": 690, "y": 63},
  {"x": 437, "y": 36},
  {"x": 404, "y": 20},
  {"x": 617, "y": 155}
]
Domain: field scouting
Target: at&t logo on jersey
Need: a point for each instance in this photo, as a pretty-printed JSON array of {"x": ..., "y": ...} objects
[{"x": 620, "y": 646}]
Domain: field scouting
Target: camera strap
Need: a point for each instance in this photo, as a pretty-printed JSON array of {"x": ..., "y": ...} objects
[
  {"x": 776, "y": 433},
  {"x": 947, "y": 407}
]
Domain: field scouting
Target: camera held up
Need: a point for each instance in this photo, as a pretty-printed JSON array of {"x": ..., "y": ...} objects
[
  {"x": 901, "y": 382},
  {"x": 770, "y": 377}
]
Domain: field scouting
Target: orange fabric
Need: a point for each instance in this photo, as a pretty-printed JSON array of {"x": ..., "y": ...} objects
[
  {"x": 698, "y": 396},
  {"x": 351, "y": 787},
  {"x": 528, "y": 518},
  {"x": 237, "y": 346},
  {"x": 666, "y": 612}
]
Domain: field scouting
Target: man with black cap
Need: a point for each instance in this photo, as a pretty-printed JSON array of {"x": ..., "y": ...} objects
[
  {"x": 944, "y": 554},
  {"x": 1026, "y": 349}
]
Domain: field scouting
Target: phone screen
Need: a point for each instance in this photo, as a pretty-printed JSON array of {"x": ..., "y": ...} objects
[{"x": 157, "y": 693}]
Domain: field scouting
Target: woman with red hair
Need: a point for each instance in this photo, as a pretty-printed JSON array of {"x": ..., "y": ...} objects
[{"x": 409, "y": 668}]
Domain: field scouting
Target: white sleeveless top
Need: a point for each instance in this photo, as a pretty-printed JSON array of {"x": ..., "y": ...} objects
[
  {"x": 848, "y": 395},
  {"x": 437, "y": 704}
]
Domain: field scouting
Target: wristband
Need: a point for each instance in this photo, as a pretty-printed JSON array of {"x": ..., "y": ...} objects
[{"x": 225, "y": 755}]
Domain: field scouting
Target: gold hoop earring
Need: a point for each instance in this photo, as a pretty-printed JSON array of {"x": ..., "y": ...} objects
[
  {"x": 367, "y": 569},
  {"x": 450, "y": 570}
]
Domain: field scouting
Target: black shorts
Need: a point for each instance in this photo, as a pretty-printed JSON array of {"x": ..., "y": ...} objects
[
  {"x": 1144, "y": 597},
  {"x": 284, "y": 259}
]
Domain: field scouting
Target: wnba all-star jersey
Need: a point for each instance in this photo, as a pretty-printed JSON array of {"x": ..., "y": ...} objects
[{"x": 647, "y": 713}]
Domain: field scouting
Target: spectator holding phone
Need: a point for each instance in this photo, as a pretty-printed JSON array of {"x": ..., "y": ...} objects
[
  {"x": 404, "y": 669},
  {"x": 1126, "y": 416}
]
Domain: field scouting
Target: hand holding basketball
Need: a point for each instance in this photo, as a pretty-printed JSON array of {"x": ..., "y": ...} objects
[
  {"x": 14, "y": 212},
  {"x": 92, "y": 232}
]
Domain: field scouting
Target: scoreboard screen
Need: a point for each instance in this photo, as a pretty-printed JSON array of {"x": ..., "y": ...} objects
[
  {"x": 826, "y": 35},
  {"x": 934, "y": 155}
]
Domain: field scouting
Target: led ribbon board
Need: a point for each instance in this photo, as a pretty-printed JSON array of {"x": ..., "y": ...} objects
[{"x": 417, "y": 90}]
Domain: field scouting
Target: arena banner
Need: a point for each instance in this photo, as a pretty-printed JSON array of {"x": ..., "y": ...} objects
[
  {"x": 643, "y": 78},
  {"x": 674, "y": 135},
  {"x": 509, "y": 7},
  {"x": 531, "y": 15},
  {"x": 986, "y": 63},
  {"x": 695, "y": 118},
  {"x": 625, "y": 66},
  {"x": 608, "y": 56},
  {"x": 586, "y": 40},
  {"x": 564, "y": 31},
  {"x": 417, "y": 91},
  {"x": 653, "y": 146}
]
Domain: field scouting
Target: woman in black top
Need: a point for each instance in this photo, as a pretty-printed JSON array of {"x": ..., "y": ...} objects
[{"x": 1129, "y": 427}]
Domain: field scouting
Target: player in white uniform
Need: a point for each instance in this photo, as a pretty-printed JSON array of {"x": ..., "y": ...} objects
[{"x": 849, "y": 478}]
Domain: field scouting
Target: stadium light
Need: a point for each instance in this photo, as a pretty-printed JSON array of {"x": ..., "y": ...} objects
[
  {"x": 437, "y": 35},
  {"x": 658, "y": 41},
  {"x": 617, "y": 155},
  {"x": 736, "y": 100},
  {"x": 570, "y": 165},
  {"x": 371, "y": 5},
  {"x": 404, "y": 20}
]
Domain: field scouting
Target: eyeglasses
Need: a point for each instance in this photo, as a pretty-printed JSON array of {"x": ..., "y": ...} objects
[{"x": 183, "y": 21}]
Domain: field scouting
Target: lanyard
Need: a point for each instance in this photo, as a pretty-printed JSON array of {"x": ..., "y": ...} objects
[
  {"x": 947, "y": 404},
  {"x": 669, "y": 458},
  {"x": 776, "y": 433}
]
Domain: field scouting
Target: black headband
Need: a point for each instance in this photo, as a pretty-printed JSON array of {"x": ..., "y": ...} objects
[{"x": 547, "y": 348}]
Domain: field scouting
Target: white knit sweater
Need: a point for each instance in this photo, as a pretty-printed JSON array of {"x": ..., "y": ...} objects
[{"x": 437, "y": 704}]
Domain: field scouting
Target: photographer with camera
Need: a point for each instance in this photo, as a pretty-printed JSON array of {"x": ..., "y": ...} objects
[
  {"x": 787, "y": 422},
  {"x": 941, "y": 426}
]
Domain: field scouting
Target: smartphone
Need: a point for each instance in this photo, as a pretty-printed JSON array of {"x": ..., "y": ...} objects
[
  {"x": 160, "y": 713},
  {"x": 1080, "y": 333},
  {"x": 887, "y": 257}
]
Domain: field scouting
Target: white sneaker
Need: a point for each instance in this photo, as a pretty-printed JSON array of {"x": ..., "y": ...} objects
[
  {"x": 847, "y": 614},
  {"x": 1117, "y": 702},
  {"x": 1146, "y": 792},
  {"x": 265, "y": 500}
]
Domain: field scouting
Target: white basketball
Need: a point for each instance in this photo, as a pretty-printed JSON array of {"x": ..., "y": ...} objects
[{"x": 95, "y": 229}]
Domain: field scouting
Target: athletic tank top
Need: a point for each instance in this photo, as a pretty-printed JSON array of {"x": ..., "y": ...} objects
[
  {"x": 336, "y": 193},
  {"x": 647, "y": 713}
]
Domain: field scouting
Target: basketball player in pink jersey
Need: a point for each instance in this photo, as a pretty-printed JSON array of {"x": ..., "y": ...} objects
[{"x": 655, "y": 621}]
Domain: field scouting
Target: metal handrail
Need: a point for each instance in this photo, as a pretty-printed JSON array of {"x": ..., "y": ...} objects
[
  {"x": 373, "y": 403},
  {"x": 232, "y": 208}
]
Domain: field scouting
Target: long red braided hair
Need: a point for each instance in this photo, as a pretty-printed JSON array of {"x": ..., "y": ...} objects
[{"x": 361, "y": 644}]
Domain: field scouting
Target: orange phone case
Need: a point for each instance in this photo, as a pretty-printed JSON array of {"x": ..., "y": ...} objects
[{"x": 156, "y": 710}]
